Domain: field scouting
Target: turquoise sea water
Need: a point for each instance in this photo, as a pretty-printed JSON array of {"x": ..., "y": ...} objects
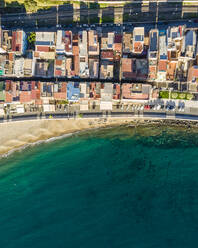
[{"x": 120, "y": 187}]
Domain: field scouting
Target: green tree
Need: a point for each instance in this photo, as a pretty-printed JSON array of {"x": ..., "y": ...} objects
[
  {"x": 30, "y": 5},
  {"x": 32, "y": 38}
]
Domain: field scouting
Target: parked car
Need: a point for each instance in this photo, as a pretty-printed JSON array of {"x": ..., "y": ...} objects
[{"x": 146, "y": 107}]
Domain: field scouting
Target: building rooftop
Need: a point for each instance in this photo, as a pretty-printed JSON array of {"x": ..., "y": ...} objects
[
  {"x": 45, "y": 39},
  {"x": 73, "y": 91},
  {"x": 106, "y": 70},
  {"x": 193, "y": 74},
  {"x": 44, "y": 68},
  {"x": 107, "y": 55},
  {"x": 107, "y": 92},
  {"x": 107, "y": 41},
  {"x": 127, "y": 42},
  {"x": 153, "y": 40},
  {"x": 93, "y": 45},
  {"x": 64, "y": 42},
  {"x": 82, "y": 43},
  {"x": 17, "y": 41},
  {"x": 135, "y": 91},
  {"x": 171, "y": 70},
  {"x": 162, "y": 46},
  {"x": 93, "y": 68},
  {"x": 128, "y": 68},
  {"x": 162, "y": 65}
]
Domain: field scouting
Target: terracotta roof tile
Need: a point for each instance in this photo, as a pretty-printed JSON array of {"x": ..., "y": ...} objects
[
  {"x": 35, "y": 94},
  {"x": 118, "y": 47},
  {"x": 42, "y": 48},
  {"x": 11, "y": 56},
  {"x": 58, "y": 72},
  {"x": 162, "y": 66},
  {"x": 25, "y": 96},
  {"x": 138, "y": 47},
  {"x": 107, "y": 54},
  {"x": 38, "y": 102},
  {"x": 60, "y": 95},
  {"x": 59, "y": 62},
  {"x": 8, "y": 97}
]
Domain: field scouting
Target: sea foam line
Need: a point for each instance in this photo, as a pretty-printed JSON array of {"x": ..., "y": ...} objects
[
  {"x": 5, "y": 155},
  {"x": 51, "y": 139}
]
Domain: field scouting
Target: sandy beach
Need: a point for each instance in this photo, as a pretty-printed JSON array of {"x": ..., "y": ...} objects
[
  {"x": 14, "y": 135},
  {"x": 19, "y": 134}
]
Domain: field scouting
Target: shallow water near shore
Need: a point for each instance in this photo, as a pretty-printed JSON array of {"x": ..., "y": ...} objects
[{"x": 115, "y": 187}]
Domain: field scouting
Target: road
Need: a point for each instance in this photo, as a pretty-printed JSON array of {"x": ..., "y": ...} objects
[
  {"x": 131, "y": 12},
  {"x": 137, "y": 114}
]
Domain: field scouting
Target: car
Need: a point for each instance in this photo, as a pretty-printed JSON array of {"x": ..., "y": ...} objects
[
  {"x": 162, "y": 106},
  {"x": 151, "y": 106},
  {"x": 146, "y": 107},
  {"x": 142, "y": 107},
  {"x": 158, "y": 107},
  {"x": 179, "y": 109},
  {"x": 138, "y": 107},
  {"x": 171, "y": 107}
]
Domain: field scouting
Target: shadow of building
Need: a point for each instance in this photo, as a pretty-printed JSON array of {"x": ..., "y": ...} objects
[
  {"x": 170, "y": 11},
  {"x": 84, "y": 13},
  {"x": 107, "y": 15},
  {"x": 94, "y": 9},
  {"x": 89, "y": 13},
  {"x": 16, "y": 10},
  {"x": 189, "y": 11},
  {"x": 65, "y": 14},
  {"x": 132, "y": 12},
  {"x": 13, "y": 7},
  {"x": 2, "y": 5},
  {"x": 152, "y": 14}
]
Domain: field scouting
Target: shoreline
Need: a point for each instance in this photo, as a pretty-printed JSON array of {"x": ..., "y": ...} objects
[{"x": 18, "y": 135}]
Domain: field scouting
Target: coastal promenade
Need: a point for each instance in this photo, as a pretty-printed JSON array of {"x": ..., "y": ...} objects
[
  {"x": 158, "y": 114},
  {"x": 159, "y": 108}
]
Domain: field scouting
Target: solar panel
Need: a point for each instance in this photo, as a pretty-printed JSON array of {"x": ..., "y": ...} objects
[
  {"x": 139, "y": 38},
  {"x": 189, "y": 38},
  {"x": 153, "y": 42}
]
